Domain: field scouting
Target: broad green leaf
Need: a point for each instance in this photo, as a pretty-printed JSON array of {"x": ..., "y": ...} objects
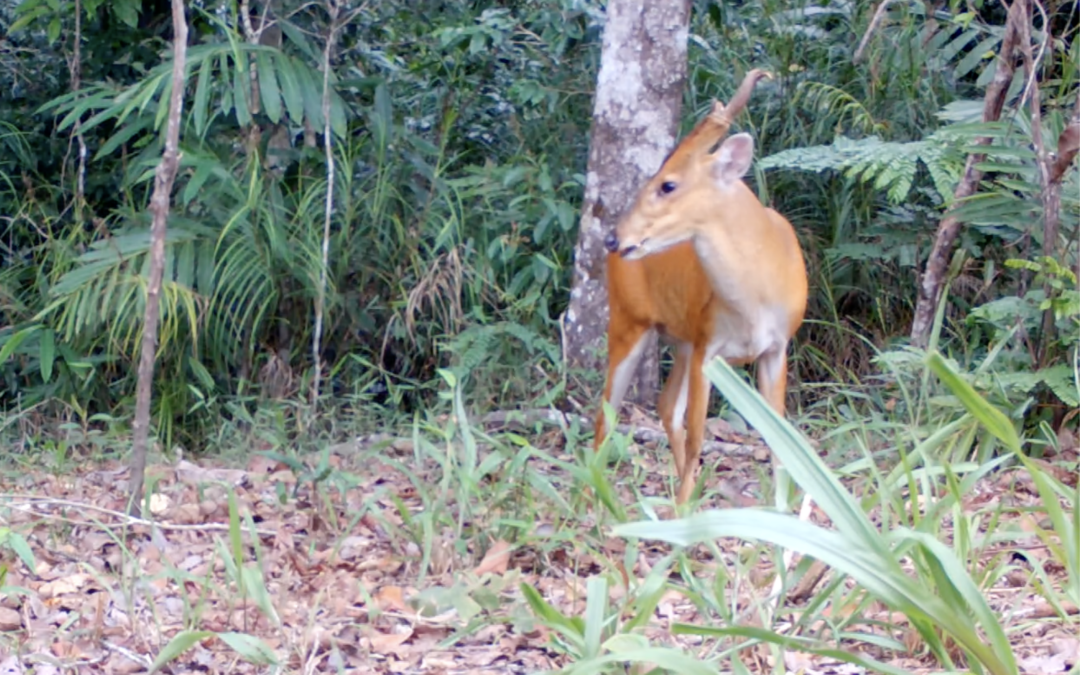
[
  {"x": 797, "y": 456},
  {"x": 984, "y": 51},
  {"x": 268, "y": 86},
  {"x": 22, "y": 549},
  {"x": 300, "y": 40},
  {"x": 338, "y": 122},
  {"x": 251, "y": 648},
  {"x": 200, "y": 109},
  {"x": 127, "y": 11},
  {"x": 595, "y": 611},
  {"x": 180, "y": 643},
  {"x": 382, "y": 118},
  {"x": 125, "y": 134},
  {"x": 33, "y": 11},
  {"x": 881, "y": 576},
  {"x": 290, "y": 89},
  {"x": 990, "y": 417},
  {"x": 241, "y": 91},
  {"x": 15, "y": 340},
  {"x": 47, "y": 354},
  {"x": 311, "y": 86},
  {"x": 227, "y": 91},
  {"x": 76, "y": 111},
  {"x": 256, "y": 586},
  {"x": 551, "y": 617},
  {"x": 959, "y": 579}
]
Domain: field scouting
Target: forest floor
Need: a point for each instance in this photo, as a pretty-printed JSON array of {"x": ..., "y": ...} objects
[{"x": 357, "y": 575}]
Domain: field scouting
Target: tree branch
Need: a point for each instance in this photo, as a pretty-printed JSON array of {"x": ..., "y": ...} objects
[
  {"x": 1067, "y": 146},
  {"x": 933, "y": 281},
  {"x": 874, "y": 23},
  {"x": 1049, "y": 175}
]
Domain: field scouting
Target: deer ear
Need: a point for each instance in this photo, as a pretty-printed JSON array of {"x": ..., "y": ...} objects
[{"x": 732, "y": 160}]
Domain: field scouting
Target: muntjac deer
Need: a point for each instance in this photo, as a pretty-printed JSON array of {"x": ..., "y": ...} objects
[{"x": 699, "y": 259}]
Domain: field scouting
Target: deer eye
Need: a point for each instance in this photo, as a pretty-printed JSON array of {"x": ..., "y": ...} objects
[{"x": 667, "y": 187}]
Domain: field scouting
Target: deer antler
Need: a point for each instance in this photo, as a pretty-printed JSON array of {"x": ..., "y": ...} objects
[
  {"x": 714, "y": 126},
  {"x": 724, "y": 116}
]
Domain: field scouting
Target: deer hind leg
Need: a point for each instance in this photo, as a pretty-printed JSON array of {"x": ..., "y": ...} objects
[
  {"x": 697, "y": 407},
  {"x": 625, "y": 342},
  {"x": 672, "y": 406},
  {"x": 772, "y": 377}
]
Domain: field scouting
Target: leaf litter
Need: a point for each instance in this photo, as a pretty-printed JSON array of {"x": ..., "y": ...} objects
[{"x": 334, "y": 578}]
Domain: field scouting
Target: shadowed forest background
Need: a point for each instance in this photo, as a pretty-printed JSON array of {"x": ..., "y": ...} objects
[
  {"x": 460, "y": 137},
  {"x": 464, "y": 136}
]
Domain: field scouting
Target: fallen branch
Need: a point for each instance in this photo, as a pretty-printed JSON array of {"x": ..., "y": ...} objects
[{"x": 31, "y": 504}]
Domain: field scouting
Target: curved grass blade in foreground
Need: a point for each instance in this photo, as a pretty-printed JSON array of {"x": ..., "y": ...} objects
[{"x": 855, "y": 547}]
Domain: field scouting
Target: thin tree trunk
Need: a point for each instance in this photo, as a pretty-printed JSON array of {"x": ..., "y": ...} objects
[
  {"x": 164, "y": 176},
  {"x": 933, "y": 280},
  {"x": 635, "y": 122},
  {"x": 1050, "y": 169},
  {"x": 320, "y": 299},
  {"x": 76, "y": 85}
]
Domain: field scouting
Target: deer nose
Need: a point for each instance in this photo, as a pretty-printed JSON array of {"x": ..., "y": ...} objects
[{"x": 611, "y": 242}]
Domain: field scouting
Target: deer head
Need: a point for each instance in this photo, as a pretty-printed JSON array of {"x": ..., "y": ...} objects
[{"x": 691, "y": 184}]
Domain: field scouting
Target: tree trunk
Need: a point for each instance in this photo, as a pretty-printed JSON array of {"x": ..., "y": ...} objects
[
  {"x": 164, "y": 176},
  {"x": 937, "y": 265},
  {"x": 635, "y": 122},
  {"x": 1051, "y": 171}
]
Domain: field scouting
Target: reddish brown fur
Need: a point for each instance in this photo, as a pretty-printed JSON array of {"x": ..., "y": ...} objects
[{"x": 671, "y": 292}]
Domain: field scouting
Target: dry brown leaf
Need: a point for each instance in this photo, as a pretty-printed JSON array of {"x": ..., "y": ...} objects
[
  {"x": 387, "y": 643},
  {"x": 193, "y": 474},
  {"x": 262, "y": 465},
  {"x": 187, "y": 514},
  {"x": 496, "y": 560},
  {"x": 63, "y": 586},
  {"x": 719, "y": 428},
  {"x": 391, "y": 598}
]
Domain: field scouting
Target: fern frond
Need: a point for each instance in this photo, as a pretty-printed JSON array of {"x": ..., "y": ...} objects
[
  {"x": 480, "y": 343},
  {"x": 886, "y": 165},
  {"x": 828, "y": 100}
]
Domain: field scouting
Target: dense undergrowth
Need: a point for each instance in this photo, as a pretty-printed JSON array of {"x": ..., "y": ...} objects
[
  {"x": 463, "y": 134},
  {"x": 460, "y": 139}
]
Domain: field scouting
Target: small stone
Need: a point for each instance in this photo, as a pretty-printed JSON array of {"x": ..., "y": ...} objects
[{"x": 9, "y": 619}]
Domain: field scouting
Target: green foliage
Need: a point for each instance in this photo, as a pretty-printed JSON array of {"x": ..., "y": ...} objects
[
  {"x": 602, "y": 642},
  {"x": 497, "y": 351},
  {"x": 289, "y": 92},
  {"x": 53, "y": 13},
  {"x": 451, "y": 209},
  {"x": 1012, "y": 317},
  {"x": 459, "y": 135},
  {"x": 942, "y": 600},
  {"x": 882, "y": 165},
  {"x": 249, "y": 583},
  {"x": 1065, "y": 523}
]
